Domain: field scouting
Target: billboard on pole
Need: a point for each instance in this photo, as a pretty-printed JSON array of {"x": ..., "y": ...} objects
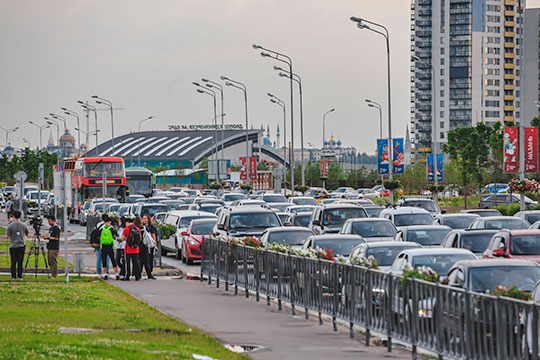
[
  {"x": 430, "y": 167},
  {"x": 398, "y": 158},
  {"x": 511, "y": 150},
  {"x": 383, "y": 162},
  {"x": 531, "y": 149}
]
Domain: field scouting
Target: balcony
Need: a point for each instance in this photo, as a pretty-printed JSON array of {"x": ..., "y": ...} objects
[
  {"x": 508, "y": 118},
  {"x": 508, "y": 87},
  {"x": 509, "y": 24},
  {"x": 508, "y": 66},
  {"x": 509, "y": 2},
  {"x": 509, "y": 13},
  {"x": 508, "y": 108},
  {"x": 509, "y": 44},
  {"x": 509, "y": 34},
  {"x": 509, "y": 97},
  {"x": 509, "y": 55},
  {"x": 508, "y": 76}
]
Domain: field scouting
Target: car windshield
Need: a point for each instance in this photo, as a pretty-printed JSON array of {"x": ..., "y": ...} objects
[
  {"x": 254, "y": 221},
  {"x": 373, "y": 228},
  {"x": 341, "y": 247},
  {"x": 299, "y": 208},
  {"x": 274, "y": 198},
  {"x": 304, "y": 201},
  {"x": 302, "y": 220},
  {"x": 385, "y": 256},
  {"x": 333, "y": 217},
  {"x": 441, "y": 264},
  {"x": 511, "y": 224},
  {"x": 373, "y": 211},
  {"x": 184, "y": 221},
  {"x": 296, "y": 237},
  {"x": 280, "y": 207},
  {"x": 477, "y": 243},
  {"x": 114, "y": 207},
  {"x": 311, "y": 192},
  {"x": 429, "y": 237},
  {"x": 532, "y": 217},
  {"x": 203, "y": 228},
  {"x": 209, "y": 208},
  {"x": 152, "y": 209},
  {"x": 34, "y": 196},
  {"x": 525, "y": 245},
  {"x": 488, "y": 278},
  {"x": 97, "y": 169},
  {"x": 428, "y": 205},
  {"x": 123, "y": 210},
  {"x": 458, "y": 222},
  {"x": 87, "y": 205},
  {"x": 233, "y": 197},
  {"x": 412, "y": 219}
]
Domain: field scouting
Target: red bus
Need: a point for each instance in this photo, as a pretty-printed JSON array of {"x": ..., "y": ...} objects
[{"x": 88, "y": 177}]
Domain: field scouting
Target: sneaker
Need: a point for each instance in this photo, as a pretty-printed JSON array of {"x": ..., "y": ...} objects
[
  {"x": 105, "y": 277},
  {"x": 137, "y": 279},
  {"x": 117, "y": 277},
  {"x": 13, "y": 278},
  {"x": 19, "y": 279},
  {"x": 152, "y": 277}
]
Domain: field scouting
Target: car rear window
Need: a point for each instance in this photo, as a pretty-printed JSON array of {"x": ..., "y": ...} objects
[
  {"x": 203, "y": 228},
  {"x": 341, "y": 247},
  {"x": 296, "y": 237},
  {"x": 477, "y": 243},
  {"x": 525, "y": 245},
  {"x": 337, "y": 216},
  {"x": 302, "y": 220},
  {"x": 427, "y": 237},
  {"x": 459, "y": 222}
]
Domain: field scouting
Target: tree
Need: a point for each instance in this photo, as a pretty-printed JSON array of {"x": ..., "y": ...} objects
[
  {"x": 335, "y": 175},
  {"x": 469, "y": 148}
]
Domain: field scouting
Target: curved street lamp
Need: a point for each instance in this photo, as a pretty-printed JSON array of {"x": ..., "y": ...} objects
[
  {"x": 324, "y": 124},
  {"x": 8, "y": 131},
  {"x": 76, "y": 116},
  {"x": 108, "y": 103},
  {"x": 203, "y": 90},
  {"x": 92, "y": 108},
  {"x": 214, "y": 85},
  {"x": 41, "y": 127}
]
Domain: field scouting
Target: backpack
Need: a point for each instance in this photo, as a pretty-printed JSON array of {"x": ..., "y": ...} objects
[
  {"x": 148, "y": 240},
  {"x": 95, "y": 236},
  {"x": 106, "y": 235},
  {"x": 134, "y": 237}
]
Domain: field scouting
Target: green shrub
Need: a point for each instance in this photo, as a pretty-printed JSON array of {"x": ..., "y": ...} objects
[{"x": 508, "y": 210}]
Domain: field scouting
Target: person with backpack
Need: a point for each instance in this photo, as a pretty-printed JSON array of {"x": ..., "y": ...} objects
[
  {"x": 96, "y": 244},
  {"x": 153, "y": 232},
  {"x": 132, "y": 234},
  {"x": 106, "y": 239},
  {"x": 147, "y": 244},
  {"x": 120, "y": 246}
]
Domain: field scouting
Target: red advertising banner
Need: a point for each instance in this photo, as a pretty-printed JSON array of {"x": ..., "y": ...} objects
[
  {"x": 243, "y": 168},
  {"x": 511, "y": 150},
  {"x": 531, "y": 149},
  {"x": 324, "y": 168},
  {"x": 252, "y": 168}
]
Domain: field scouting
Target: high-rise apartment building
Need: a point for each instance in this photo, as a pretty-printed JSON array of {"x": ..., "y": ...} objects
[
  {"x": 464, "y": 67},
  {"x": 531, "y": 58}
]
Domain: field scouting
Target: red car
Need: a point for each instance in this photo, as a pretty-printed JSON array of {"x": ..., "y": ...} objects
[
  {"x": 191, "y": 243},
  {"x": 514, "y": 244}
]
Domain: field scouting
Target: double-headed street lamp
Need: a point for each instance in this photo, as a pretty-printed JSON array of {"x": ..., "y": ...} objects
[
  {"x": 139, "y": 151},
  {"x": 298, "y": 80},
  {"x": 287, "y": 60},
  {"x": 324, "y": 124},
  {"x": 92, "y": 108},
  {"x": 109, "y": 104},
  {"x": 214, "y": 85},
  {"x": 242, "y": 87},
  {"x": 203, "y": 90},
  {"x": 41, "y": 127},
  {"x": 383, "y": 31},
  {"x": 76, "y": 116},
  {"x": 26, "y": 142},
  {"x": 8, "y": 131},
  {"x": 61, "y": 118},
  {"x": 377, "y": 106},
  {"x": 274, "y": 99}
]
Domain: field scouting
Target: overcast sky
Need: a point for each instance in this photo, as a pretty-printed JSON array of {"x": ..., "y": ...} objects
[{"x": 143, "y": 56}]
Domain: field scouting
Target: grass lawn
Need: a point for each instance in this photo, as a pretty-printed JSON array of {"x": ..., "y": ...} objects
[
  {"x": 2, "y": 231},
  {"x": 5, "y": 260},
  {"x": 32, "y": 312}
]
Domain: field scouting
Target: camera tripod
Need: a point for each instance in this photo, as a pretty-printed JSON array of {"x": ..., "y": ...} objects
[{"x": 35, "y": 249}]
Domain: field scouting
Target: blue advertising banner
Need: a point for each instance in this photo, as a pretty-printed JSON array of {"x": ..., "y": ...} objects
[
  {"x": 429, "y": 167},
  {"x": 440, "y": 174},
  {"x": 382, "y": 156},
  {"x": 398, "y": 159}
]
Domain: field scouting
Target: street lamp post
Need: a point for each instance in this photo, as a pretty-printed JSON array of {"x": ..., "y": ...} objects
[
  {"x": 109, "y": 104},
  {"x": 298, "y": 80},
  {"x": 287, "y": 60},
  {"x": 361, "y": 24},
  {"x": 76, "y": 116},
  {"x": 52, "y": 121},
  {"x": 242, "y": 87},
  {"x": 8, "y": 131},
  {"x": 212, "y": 93},
  {"x": 139, "y": 151},
  {"x": 274, "y": 99},
  {"x": 324, "y": 125},
  {"x": 377, "y": 106},
  {"x": 434, "y": 116},
  {"x": 27, "y": 142},
  {"x": 92, "y": 108},
  {"x": 41, "y": 127},
  {"x": 214, "y": 85},
  {"x": 61, "y": 118}
]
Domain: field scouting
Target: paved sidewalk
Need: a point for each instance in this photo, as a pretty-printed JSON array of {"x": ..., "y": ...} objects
[{"x": 237, "y": 320}]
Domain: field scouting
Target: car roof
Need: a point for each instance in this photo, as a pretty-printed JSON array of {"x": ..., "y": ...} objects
[
  {"x": 301, "y": 213},
  {"x": 522, "y": 232},
  {"x": 416, "y": 199},
  {"x": 458, "y": 215},
  {"x": 370, "y": 220},
  {"x": 249, "y": 208},
  {"x": 336, "y": 236},
  {"x": 339, "y": 205},
  {"x": 287, "y": 228},
  {"x": 389, "y": 244},
  {"x": 427, "y": 227},
  {"x": 435, "y": 251},
  {"x": 182, "y": 213},
  {"x": 210, "y": 220},
  {"x": 407, "y": 210},
  {"x": 496, "y": 262},
  {"x": 500, "y": 218},
  {"x": 476, "y": 231}
]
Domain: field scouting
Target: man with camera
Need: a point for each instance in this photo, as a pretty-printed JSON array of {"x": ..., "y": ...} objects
[
  {"x": 53, "y": 246},
  {"x": 16, "y": 233}
]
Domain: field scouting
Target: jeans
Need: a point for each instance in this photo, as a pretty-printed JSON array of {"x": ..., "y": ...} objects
[
  {"x": 52, "y": 256},
  {"x": 132, "y": 259},
  {"x": 121, "y": 260},
  {"x": 17, "y": 257},
  {"x": 98, "y": 262}
]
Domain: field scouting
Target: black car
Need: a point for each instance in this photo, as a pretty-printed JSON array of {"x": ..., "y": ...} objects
[
  {"x": 473, "y": 240},
  {"x": 424, "y": 203},
  {"x": 482, "y": 212},
  {"x": 298, "y": 219},
  {"x": 488, "y": 201},
  {"x": 245, "y": 221},
  {"x": 425, "y": 235},
  {"x": 328, "y": 219},
  {"x": 455, "y": 221}
]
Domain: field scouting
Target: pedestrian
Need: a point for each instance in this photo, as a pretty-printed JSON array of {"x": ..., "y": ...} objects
[
  {"x": 120, "y": 245},
  {"x": 132, "y": 234},
  {"x": 98, "y": 249},
  {"x": 53, "y": 246},
  {"x": 106, "y": 239},
  {"x": 16, "y": 232},
  {"x": 9, "y": 207},
  {"x": 147, "y": 246}
]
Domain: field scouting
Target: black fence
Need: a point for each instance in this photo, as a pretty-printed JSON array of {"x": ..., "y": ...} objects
[{"x": 444, "y": 320}]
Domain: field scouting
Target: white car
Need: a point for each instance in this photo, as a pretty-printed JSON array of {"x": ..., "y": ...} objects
[
  {"x": 363, "y": 194},
  {"x": 303, "y": 200},
  {"x": 341, "y": 192},
  {"x": 439, "y": 260},
  {"x": 33, "y": 197},
  {"x": 181, "y": 219},
  {"x": 406, "y": 216}
]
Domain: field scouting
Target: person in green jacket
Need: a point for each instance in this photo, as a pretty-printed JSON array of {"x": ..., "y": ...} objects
[{"x": 106, "y": 238}]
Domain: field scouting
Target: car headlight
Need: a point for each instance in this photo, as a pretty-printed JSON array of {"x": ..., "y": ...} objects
[
  {"x": 425, "y": 313},
  {"x": 378, "y": 291},
  {"x": 193, "y": 242}
]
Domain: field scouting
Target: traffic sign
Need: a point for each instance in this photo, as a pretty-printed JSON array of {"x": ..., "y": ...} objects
[{"x": 20, "y": 176}]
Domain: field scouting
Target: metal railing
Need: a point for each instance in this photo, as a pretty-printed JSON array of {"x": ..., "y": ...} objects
[{"x": 444, "y": 320}]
